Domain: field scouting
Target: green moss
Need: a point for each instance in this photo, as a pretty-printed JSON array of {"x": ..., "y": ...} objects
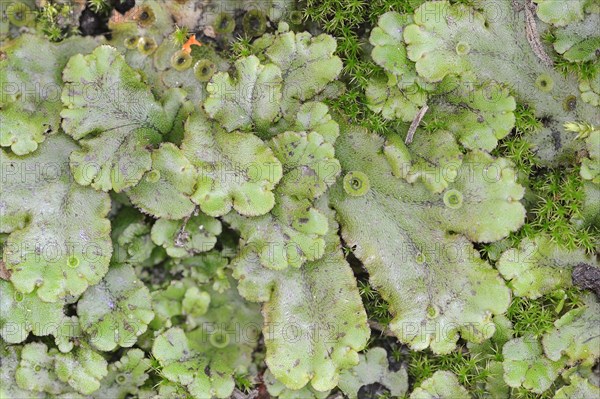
[
  {"x": 99, "y": 6},
  {"x": 241, "y": 47},
  {"x": 471, "y": 370},
  {"x": 243, "y": 382},
  {"x": 346, "y": 20},
  {"x": 333, "y": 15},
  {"x": 527, "y": 317},
  {"x": 537, "y": 316},
  {"x": 587, "y": 70},
  {"x": 377, "y": 309},
  {"x": 555, "y": 196},
  {"x": 49, "y": 17},
  {"x": 558, "y": 210},
  {"x": 522, "y": 393},
  {"x": 180, "y": 35}
]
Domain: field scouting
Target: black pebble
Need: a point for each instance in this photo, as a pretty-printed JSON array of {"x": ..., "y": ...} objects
[
  {"x": 90, "y": 23},
  {"x": 123, "y": 6}
]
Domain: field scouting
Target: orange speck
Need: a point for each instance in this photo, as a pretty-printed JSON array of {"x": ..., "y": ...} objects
[{"x": 187, "y": 47}]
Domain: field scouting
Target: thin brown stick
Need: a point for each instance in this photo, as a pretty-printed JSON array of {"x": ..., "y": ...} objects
[
  {"x": 415, "y": 124},
  {"x": 532, "y": 34}
]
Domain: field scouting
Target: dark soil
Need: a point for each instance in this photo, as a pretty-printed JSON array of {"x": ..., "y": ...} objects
[
  {"x": 372, "y": 391},
  {"x": 96, "y": 24},
  {"x": 587, "y": 277}
]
